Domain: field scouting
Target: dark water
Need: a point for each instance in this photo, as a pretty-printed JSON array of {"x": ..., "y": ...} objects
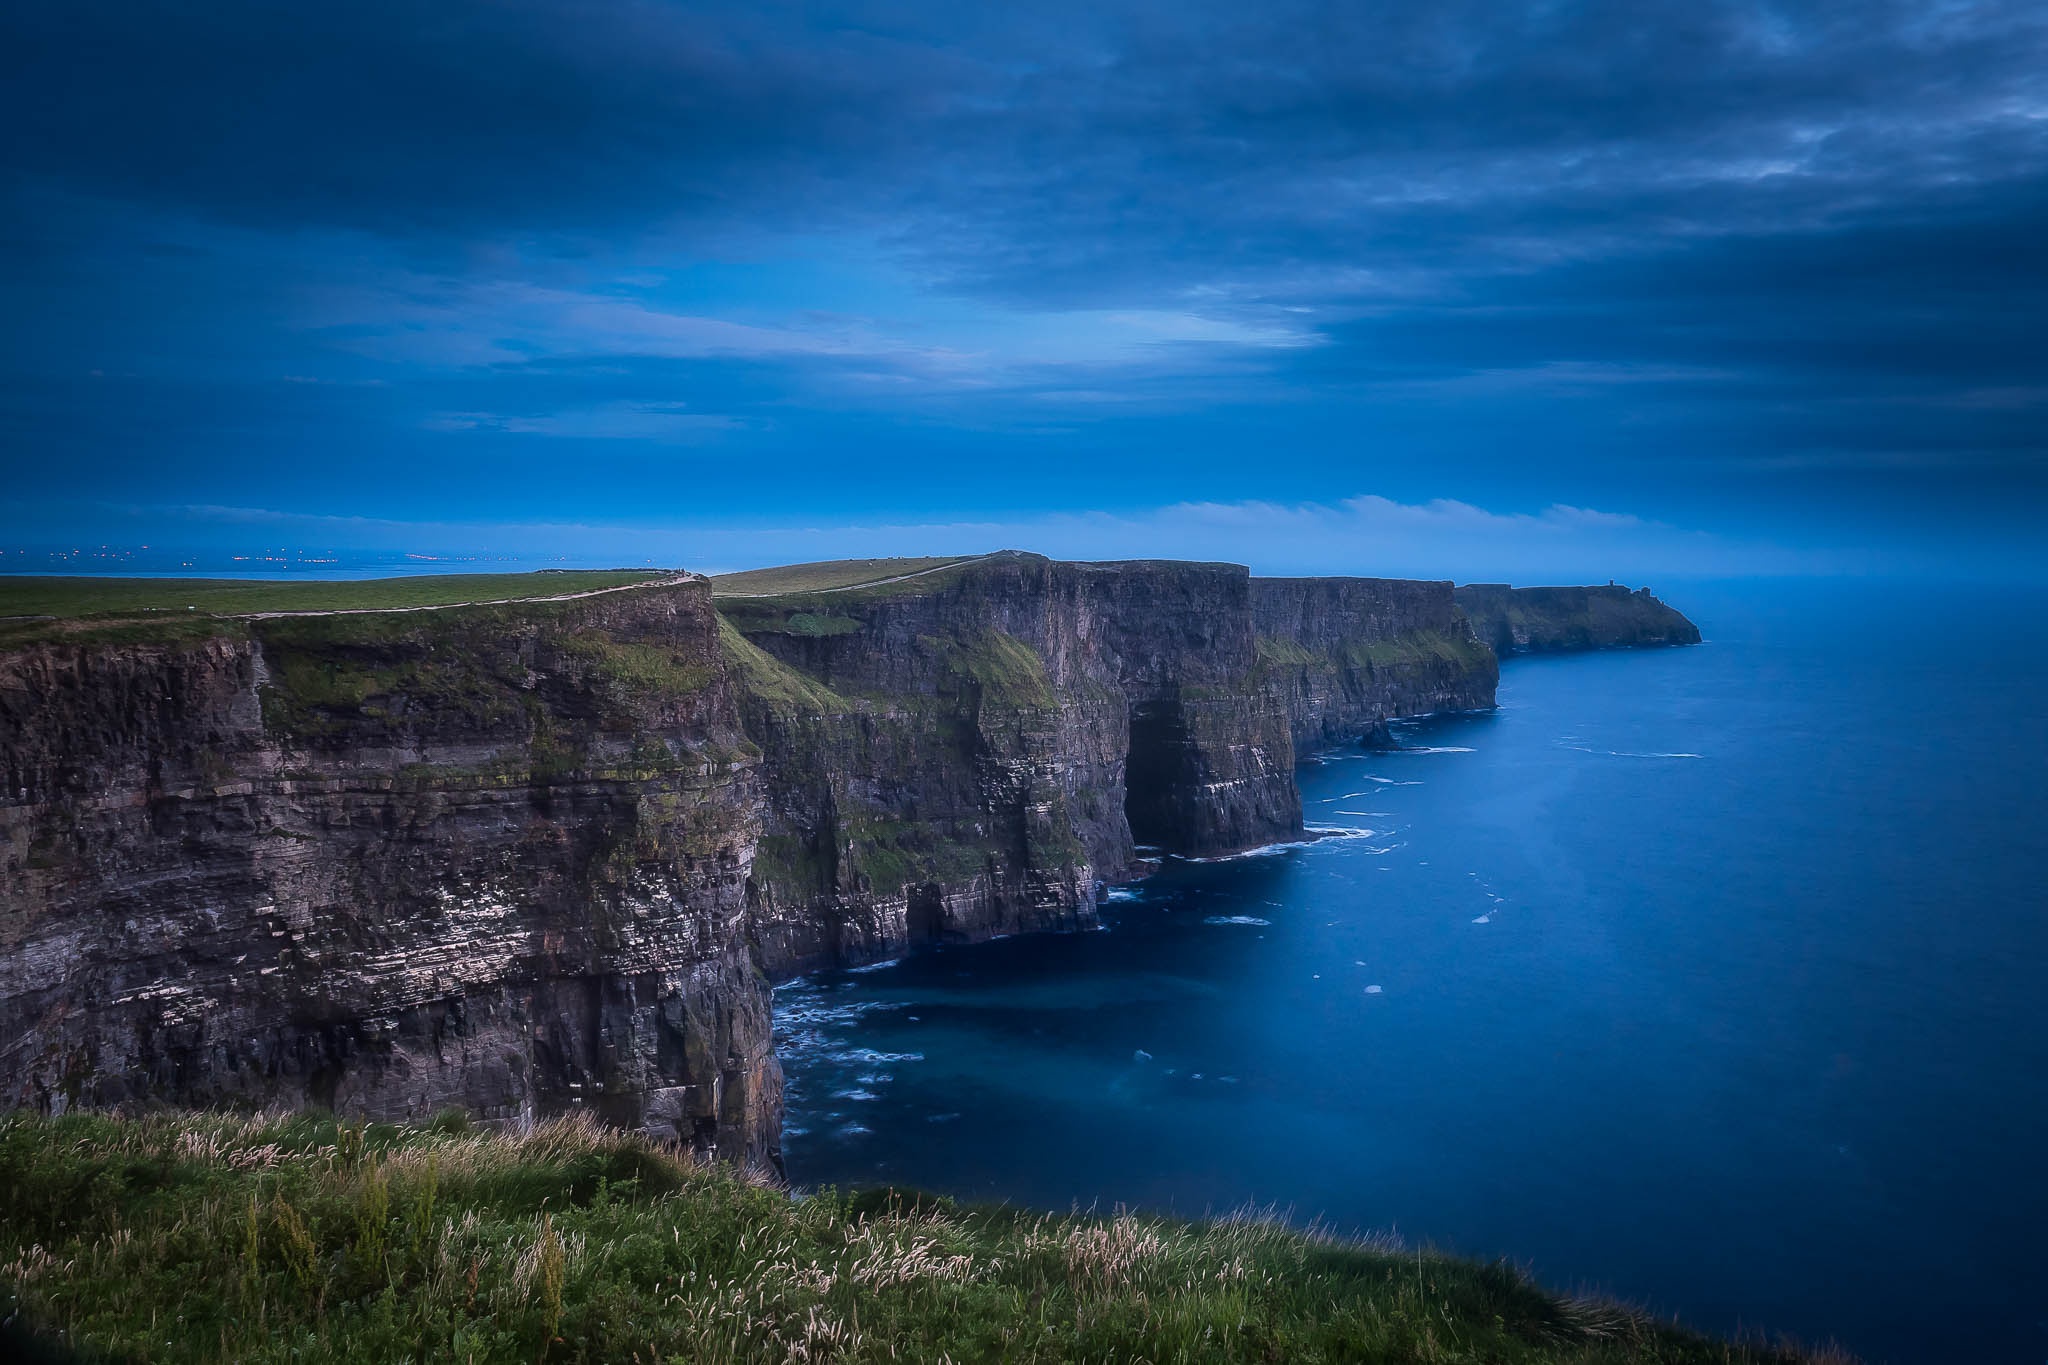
[{"x": 1711, "y": 977}]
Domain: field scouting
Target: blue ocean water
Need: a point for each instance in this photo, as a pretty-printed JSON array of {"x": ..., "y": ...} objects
[{"x": 1715, "y": 978}]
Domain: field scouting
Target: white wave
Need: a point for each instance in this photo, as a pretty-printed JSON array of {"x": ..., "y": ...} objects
[
  {"x": 1237, "y": 919},
  {"x": 859, "y": 1095},
  {"x": 869, "y": 1055},
  {"x": 1117, "y": 894},
  {"x": 1262, "y": 851},
  {"x": 1484, "y": 919},
  {"x": 1436, "y": 749},
  {"x": 872, "y": 967},
  {"x": 855, "y": 1130},
  {"x": 1372, "y": 990},
  {"x": 1338, "y": 832},
  {"x": 1626, "y": 753}
]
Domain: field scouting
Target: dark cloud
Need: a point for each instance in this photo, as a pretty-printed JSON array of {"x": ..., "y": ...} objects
[{"x": 1652, "y": 236}]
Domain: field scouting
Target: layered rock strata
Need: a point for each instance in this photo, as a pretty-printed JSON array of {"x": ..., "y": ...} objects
[
  {"x": 390, "y": 862},
  {"x": 1346, "y": 655},
  {"x": 975, "y": 752},
  {"x": 547, "y": 855}
]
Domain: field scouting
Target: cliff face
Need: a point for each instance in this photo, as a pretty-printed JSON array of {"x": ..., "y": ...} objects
[
  {"x": 1542, "y": 620},
  {"x": 544, "y": 855},
  {"x": 973, "y": 752},
  {"x": 489, "y": 857},
  {"x": 1345, "y": 655}
]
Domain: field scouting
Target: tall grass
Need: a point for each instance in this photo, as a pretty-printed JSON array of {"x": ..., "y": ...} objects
[{"x": 300, "y": 1238}]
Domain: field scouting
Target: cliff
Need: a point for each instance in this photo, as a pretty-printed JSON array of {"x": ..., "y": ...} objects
[
  {"x": 488, "y": 856},
  {"x": 1543, "y": 620},
  {"x": 1346, "y": 655},
  {"x": 540, "y": 855},
  {"x": 973, "y": 751}
]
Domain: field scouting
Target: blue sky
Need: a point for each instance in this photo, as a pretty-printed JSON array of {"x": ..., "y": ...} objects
[{"x": 1472, "y": 290}]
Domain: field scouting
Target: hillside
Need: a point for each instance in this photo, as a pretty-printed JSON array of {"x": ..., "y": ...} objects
[{"x": 196, "y": 1238}]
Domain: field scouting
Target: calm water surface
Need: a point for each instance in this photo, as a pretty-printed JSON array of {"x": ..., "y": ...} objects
[{"x": 1711, "y": 977}]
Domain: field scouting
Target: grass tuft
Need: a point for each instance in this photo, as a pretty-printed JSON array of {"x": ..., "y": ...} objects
[{"x": 291, "y": 1237}]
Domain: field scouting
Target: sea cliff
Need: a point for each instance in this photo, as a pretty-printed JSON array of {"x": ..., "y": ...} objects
[
  {"x": 541, "y": 855},
  {"x": 1547, "y": 620},
  {"x": 388, "y": 862}
]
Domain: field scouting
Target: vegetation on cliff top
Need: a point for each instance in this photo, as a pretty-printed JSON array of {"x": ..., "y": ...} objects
[
  {"x": 830, "y": 574},
  {"x": 1400, "y": 651},
  {"x": 206, "y": 1238},
  {"x": 60, "y": 596},
  {"x": 118, "y": 610}
]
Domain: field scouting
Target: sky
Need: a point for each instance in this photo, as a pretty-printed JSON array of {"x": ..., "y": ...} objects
[{"x": 1528, "y": 290}]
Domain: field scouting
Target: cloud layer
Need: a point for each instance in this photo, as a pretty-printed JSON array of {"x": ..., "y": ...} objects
[{"x": 1744, "y": 264}]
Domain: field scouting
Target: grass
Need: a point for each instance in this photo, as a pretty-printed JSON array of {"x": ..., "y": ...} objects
[
  {"x": 824, "y": 575},
  {"x": 1407, "y": 650},
  {"x": 773, "y": 684},
  {"x": 296, "y": 1238},
  {"x": 1009, "y": 672},
  {"x": 76, "y": 597}
]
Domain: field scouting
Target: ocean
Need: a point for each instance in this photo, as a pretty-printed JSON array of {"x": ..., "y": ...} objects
[{"x": 1714, "y": 978}]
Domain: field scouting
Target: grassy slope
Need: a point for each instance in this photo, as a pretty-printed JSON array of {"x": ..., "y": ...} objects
[
  {"x": 827, "y": 574},
  {"x": 178, "y": 1238},
  {"x": 74, "y": 596}
]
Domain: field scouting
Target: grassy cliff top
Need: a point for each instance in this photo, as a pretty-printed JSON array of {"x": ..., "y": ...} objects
[
  {"x": 826, "y": 575},
  {"x": 109, "y": 610},
  {"x": 205, "y": 1238},
  {"x": 81, "y": 596}
]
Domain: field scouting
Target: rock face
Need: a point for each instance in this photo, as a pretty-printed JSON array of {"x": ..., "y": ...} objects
[
  {"x": 489, "y": 857},
  {"x": 530, "y": 857},
  {"x": 1543, "y": 620},
  {"x": 1346, "y": 655},
  {"x": 974, "y": 752}
]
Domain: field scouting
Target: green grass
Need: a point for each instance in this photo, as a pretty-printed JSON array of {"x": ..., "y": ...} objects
[
  {"x": 72, "y": 597},
  {"x": 206, "y": 1238},
  {"x": 824, "y": 575},
  {"x": 1009, "y": 672},
  {"x": 1413, "y": 648},
  {"x": 767, "y": 680}
]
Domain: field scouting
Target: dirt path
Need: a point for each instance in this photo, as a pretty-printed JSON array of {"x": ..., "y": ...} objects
[
  {"x": 870, "y": 583},
  {"x": 669, "y": 582}
]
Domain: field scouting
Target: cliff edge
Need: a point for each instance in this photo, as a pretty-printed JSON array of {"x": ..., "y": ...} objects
[
  {"x": 545, "y": 852},
  {"x": 1547, "y": 620}
]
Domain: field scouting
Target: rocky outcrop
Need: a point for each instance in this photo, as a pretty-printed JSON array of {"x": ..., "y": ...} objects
[
  {"x": 974, "y": 752},
  {"x": 1544, "y": 620},
  {"x": 545, "y": 855},
  {"x": 488, "y": 857},
  {"x": 1346, "y": 655}
]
